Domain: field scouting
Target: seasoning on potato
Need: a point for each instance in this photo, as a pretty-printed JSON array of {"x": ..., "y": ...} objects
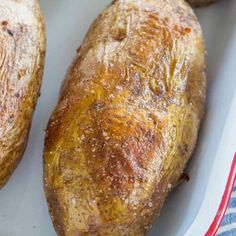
[
  {"x": 22, "y": 50},
  {"x": 127, "y": 119}
]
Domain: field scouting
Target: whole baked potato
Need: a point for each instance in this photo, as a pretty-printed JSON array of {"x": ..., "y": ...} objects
[
  {"x": 127, "y": 119},
  {"x": 22, "y": 50},
  {"x": 200, "y": 3}
]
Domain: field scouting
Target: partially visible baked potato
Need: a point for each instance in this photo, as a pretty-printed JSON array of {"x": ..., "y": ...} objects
[
  {"x": 200, "y": 3},
  {"x": 127, "y": 119},
  {"x": 22, "y": 51}
]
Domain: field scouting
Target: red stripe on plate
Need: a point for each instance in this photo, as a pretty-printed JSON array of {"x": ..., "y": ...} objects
[{"x": 224, "y": 201}]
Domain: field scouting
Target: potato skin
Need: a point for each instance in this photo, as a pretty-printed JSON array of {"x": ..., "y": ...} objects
[
  {"x": 22, "y": 51},
  {"x": 127, "y": 119},
  {"x": 201, "y": 3}
]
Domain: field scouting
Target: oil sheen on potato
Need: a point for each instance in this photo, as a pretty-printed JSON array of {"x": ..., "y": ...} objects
[{"x": 127, "y": 119}]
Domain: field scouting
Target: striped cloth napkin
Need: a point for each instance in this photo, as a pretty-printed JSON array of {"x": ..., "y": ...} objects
[{"x": 228, "y": 225}]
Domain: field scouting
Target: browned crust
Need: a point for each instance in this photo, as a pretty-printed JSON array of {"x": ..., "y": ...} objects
[
  {"x": 127, "y": 119},
  {"x": 22, "y": 55}
]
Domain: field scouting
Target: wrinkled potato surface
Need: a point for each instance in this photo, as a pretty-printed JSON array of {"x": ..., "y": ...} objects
[
  {"x": 127, "y": 119},
  {"x": 22, "y": 50}
]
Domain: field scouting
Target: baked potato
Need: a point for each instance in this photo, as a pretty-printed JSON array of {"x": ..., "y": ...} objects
[
  {"x": 22, "y": 50},
  {"x": 127, "y": 119},
  {"x": 200, "y": 3}
]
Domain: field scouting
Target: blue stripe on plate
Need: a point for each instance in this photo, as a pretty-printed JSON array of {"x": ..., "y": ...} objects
[
  {"x": 231, "y": 232},
  {"x": 228, "y": 219},
  {"x": 232, "y": 203}
]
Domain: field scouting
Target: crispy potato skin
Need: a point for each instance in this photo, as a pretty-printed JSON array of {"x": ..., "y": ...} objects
[
  {"x": 22, "y": 50},
  {"x": 201, "y": 3},
  {"x": 127, "y": 119}
]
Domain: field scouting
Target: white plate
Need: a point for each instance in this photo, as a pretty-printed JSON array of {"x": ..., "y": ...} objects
[{"x": 191, "y": 208}]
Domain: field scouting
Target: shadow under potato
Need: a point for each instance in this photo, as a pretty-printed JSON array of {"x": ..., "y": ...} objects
[{"x": 201, "y": 3}]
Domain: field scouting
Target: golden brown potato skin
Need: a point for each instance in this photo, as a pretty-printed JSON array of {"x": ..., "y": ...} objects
[
  {"x": 127, "y": 119},
  {"x": 200, "y": 3},
  {"x": 22, "y": 50}
]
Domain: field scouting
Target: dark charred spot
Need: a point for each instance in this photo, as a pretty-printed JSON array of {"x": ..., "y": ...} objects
[
  {"x": 10, "y": 119},
  {"x": 154, "y": 118},
  {"x": 188, "y": 30},
  {"x": 17, "y": 95},
  {"x": 78, "y": 50},
  {"x": 23, "y": 29},
  {"x": 184, "y": 149},
  {"x": 4, "y": 23},
  {"x": 157, "y": 87},
  {"x": 22, "y": 73},
  {"x": 10, "y": 32},
  {"x": 119, "y": 34},
  {"x": 184, "y": 177}
]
